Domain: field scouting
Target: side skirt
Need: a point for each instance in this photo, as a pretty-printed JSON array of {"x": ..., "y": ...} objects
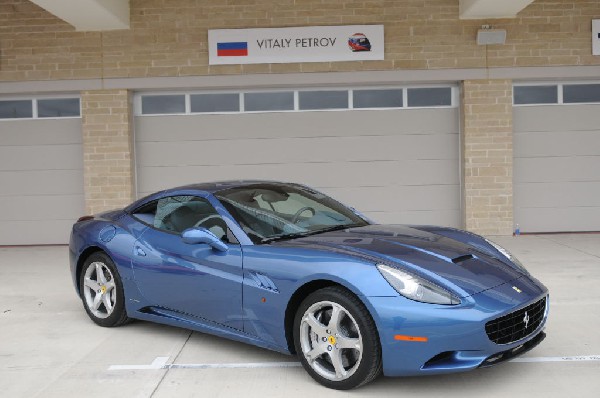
[{"x": 172, "y": 318}]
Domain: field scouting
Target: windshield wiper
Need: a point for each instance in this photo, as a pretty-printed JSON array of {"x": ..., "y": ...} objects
[
  {"x": 333, "y": 228},
  {"x": 284, "y": 237},
  {"x": 308, "y": 233}
]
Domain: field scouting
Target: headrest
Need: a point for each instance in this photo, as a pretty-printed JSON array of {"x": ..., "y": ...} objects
[{"x": 273, "y": 196}]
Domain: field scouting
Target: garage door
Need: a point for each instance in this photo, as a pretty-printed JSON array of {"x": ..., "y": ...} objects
[
  {"x": 41, "y": 176},
  {"x": 396, "y": 165},
  {"x": 557, "y": 158}
]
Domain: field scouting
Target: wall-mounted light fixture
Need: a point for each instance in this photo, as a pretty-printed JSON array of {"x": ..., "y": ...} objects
[{"x": 486, "y": 35}]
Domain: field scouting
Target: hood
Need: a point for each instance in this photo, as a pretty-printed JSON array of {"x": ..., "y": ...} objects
[{"x": 427, "y": 254}]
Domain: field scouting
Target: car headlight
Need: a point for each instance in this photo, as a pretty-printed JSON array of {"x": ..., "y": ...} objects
[
  {"x": 416, "y": 288},
  {"x": 508, "y": 255}
]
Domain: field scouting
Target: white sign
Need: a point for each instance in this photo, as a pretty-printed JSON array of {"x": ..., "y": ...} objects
[
  {"x": 596, "y": 36},
  {"x": 303, "y": 44}
]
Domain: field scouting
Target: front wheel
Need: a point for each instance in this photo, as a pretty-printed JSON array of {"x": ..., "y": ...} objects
[
  {"x": 102, "y": 291},
  {"x": 336, "y": 339}
]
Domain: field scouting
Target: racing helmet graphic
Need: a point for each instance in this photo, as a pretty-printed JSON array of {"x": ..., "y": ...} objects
[{"x": 359, "y": 42}]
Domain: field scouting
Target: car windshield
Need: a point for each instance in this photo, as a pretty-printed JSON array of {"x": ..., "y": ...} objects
[{"x": 269, "y": 212}]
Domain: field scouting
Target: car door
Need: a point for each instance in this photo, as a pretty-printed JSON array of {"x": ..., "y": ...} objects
[{"x": 191, "y": 279}]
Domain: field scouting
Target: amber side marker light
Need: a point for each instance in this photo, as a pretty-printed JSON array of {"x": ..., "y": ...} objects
[{"x": 402, "y": 337}]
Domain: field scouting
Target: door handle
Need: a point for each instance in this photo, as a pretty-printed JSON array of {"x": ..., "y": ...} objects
[{"x": 139, "y": 251}]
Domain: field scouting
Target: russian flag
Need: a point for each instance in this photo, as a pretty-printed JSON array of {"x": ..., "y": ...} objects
[{"x": 232, "y": 49}]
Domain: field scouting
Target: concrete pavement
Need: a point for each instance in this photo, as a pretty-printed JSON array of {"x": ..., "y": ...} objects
[{"x": 50, "y": 348}]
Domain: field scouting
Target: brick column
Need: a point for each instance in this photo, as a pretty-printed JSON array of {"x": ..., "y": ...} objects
[
  {"x": 487, "y": 134},
  {"x": 107, "y": 149}
]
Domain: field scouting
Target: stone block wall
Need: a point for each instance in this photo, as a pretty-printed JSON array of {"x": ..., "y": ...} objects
[
  {"x": 108, "y": 170},
  {"x": 487, "y": 146},
  {"x": 169, "y": 37}
]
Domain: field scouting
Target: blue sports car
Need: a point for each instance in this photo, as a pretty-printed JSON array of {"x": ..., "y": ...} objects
[{"x": 285, "y": 267}]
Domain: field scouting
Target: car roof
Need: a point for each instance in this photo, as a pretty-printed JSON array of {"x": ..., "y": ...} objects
[
  {"x": 203, "y": 187},
  {"x": 216, "y": 186}
]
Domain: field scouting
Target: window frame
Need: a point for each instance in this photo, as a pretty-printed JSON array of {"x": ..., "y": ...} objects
[
  {"x": 229, "y": 234},
  {"x": 455, "y": 94},
  {"x": 596, "y": 83},
  {"x": 186, "y": 104},
  {"x": 34, "y": 105},
  {"x": 243, "y": 99},
  {"x": 560, "y": 87},
  {"x": 33, "y": 108}
]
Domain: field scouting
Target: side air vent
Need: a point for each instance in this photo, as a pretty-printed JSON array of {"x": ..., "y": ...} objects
[
  {"x": 461, "y": 259},
  {"x": 262, "y": 281}
]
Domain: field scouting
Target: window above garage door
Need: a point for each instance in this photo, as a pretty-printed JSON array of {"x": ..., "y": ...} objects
[
  {"x": 291, "y": 100},
  {"x": 59, "y": 106},
  {"x": 556, "y": 94}
]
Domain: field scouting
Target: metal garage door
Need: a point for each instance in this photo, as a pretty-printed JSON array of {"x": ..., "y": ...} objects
[
  {"x": 41, "y": 180},
  {"x": 557, "y": 168},
  {"x": 395, "y": 165}
]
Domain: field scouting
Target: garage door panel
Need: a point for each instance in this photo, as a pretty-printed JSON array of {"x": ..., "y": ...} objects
[
  {"x": 557, "y": 194},
  {"x": 409, "y": 158},
  {"x": 556, "y": 118},
  {"x": 343, "y": 174},
  {"x": 557, "y": 143},
  {"x": 41, "y": 157},
  {"x": 557, "y": 168},
  {"x": 293, "y": 150},
  {"x": 415, "y": 217},
  {"x": 41, "y": 182},
  {"x": 41, "y": 207},
  {"x": 565, "y": 169},
  {"x": 41, "y": 132},
  {"x": 552, "y": 219},
  {"x": 35, "y": 232},
  {"x": 400, "y": 198},
  {"x": 295, "y": 124}
]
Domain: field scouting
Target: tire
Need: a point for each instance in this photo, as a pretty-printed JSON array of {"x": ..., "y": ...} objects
[
  {"x": 102, "y": 291},
  {"x": 336, "y": 339}
]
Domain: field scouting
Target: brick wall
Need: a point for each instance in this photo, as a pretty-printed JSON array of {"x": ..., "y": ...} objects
[
  {"x": 487, "y": 156},
  {"x": 108, "y": 168},
  {"x": 169, "y": 37}
]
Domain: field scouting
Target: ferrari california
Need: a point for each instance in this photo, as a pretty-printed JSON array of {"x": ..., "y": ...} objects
[{"x": 285, "y": 267}]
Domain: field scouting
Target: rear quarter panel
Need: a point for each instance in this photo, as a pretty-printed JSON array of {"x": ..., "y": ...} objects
[{"x": 114, "y": 237}]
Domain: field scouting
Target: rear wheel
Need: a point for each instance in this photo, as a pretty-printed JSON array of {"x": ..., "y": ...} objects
[
  {"x": 102, "y": 291},
  {"x": 336, "y": 339}
]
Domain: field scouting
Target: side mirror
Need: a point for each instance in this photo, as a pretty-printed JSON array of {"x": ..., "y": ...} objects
[{"x": 197, "y": 235}]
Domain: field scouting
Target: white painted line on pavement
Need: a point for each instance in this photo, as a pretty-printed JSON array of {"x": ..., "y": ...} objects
[
  {"x": 233, "y": 365},
  {"x": 158, "y": 363},
  {"x": 161, "y": 363},
  {"x": 558, "y": 359}
]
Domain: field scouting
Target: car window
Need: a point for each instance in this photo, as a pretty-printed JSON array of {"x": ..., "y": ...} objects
[
  {"x": 269, "y": 211},
  {"x": 177, "y": 213}
]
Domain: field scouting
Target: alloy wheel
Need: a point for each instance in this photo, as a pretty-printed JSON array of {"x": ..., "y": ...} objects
[
  {"x": 331, "y": 341},
  {"x": 99, "y": 290}
]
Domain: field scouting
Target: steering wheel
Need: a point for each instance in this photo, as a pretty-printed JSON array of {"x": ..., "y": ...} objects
[{"x": 302, "y": 210}]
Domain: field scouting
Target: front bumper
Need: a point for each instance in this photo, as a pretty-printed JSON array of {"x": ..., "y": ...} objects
[
  {"x": 451, "y": 338},
  {"x": 514, "y": 352}
]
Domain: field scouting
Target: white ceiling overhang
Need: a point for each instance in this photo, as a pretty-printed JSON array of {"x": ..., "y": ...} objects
[
  {"x": 86, "y": 15},
  {"x": 490, "y": 9}
]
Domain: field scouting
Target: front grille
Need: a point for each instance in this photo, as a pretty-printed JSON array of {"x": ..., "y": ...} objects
[{"x": 516, "y": 325}]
